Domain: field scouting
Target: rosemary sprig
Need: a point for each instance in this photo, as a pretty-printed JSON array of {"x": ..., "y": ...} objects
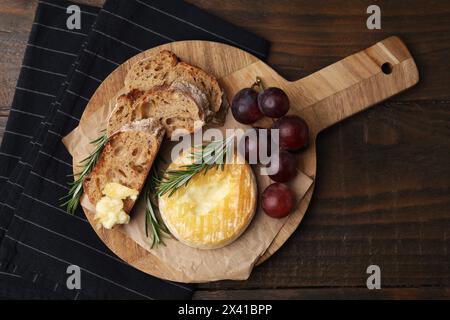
[
  {"x": 76, "y": 187},
  {"x": 157, "y": 228},
  {"x": 205, "y": 157}
]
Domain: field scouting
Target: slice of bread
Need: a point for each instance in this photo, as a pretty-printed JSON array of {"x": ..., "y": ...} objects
[
  {"x": 151, "y": 71},
  {"x": 175, "y": 108},
  {"x": 121, "y": 113},
  {"x": 164, "y": 68},
  {"x": 201, "y": 79},
  {"x": 126, "y": 159}
]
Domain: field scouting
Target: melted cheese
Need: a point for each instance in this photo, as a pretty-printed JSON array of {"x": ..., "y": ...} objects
[
  {"x": 117, "y": 191},
  {"x": 109, "y": 209},
  {"x": 109, "y": 212},
  {"x": 213, "y": 209}
]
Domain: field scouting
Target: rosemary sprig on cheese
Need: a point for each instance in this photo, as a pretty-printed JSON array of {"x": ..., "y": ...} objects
[
  {"x": 205, "y": 157},
  {"x": 157, "y": 227},
  {"x": 76, "y": 187}
]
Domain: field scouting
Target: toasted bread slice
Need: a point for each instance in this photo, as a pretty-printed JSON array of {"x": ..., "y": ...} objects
[
  {"x": 151, "y": 71},
  {"x": 164, "y": 68},
  {"x": 175, "y": 108},
  {"x": 126, "y": 159},
  {"x": 201, "y": 79},
  {"x": 121, "y": 113}
]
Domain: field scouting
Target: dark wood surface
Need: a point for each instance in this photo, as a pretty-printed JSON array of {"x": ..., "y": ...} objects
[{"x": 382, "y": 191}]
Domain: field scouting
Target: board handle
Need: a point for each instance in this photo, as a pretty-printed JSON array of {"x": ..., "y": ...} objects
[{"x": 356, "y": 82}]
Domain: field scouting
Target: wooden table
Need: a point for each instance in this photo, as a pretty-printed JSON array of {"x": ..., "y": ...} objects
[{"x": 382, "y": 194}]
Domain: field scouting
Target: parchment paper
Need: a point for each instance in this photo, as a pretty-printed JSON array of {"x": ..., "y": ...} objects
[{"x": 234, "y": 261}]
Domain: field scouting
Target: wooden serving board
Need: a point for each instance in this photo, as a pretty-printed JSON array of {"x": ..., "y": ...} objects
[{"x": 322, "y": 99}]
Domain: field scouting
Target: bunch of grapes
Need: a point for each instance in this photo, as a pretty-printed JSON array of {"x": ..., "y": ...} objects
[{"x": 247, "y": 107}]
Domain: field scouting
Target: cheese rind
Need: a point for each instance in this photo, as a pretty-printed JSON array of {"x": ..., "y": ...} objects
[{"x": 214, "y": 208}]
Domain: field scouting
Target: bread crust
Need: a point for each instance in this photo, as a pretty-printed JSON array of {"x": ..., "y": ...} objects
[
  {"x": 164, "y": 71},
  {"x": 164, "y": 68},
  {"x": 175, "y": 108},
  {"x": 108, "y": 170}
]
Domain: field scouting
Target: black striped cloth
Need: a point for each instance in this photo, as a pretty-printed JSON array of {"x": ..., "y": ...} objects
[
  {"x": 43, "y": 65},
  {"x": 62, "y": 69}
]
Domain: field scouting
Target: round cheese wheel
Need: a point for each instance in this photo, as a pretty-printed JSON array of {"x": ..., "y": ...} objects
[{"x": 214, "y": 208}]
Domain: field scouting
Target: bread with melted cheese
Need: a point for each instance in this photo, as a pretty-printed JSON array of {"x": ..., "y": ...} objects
[{"x": 126, "y": 159}]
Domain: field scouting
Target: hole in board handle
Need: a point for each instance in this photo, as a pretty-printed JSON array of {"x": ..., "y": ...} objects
[{"x": 386, "y": 68}]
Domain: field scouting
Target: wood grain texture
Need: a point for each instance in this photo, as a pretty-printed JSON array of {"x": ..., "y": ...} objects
[
  {"x": 3, "y": 120},
  {"x": 381, "y": 198},
  {"x": 324, "y": 294},
  {"x": 323, "y": 98},
  {"x": 15, "y": 24},
  {"x": 309, "y": 35},
  {"x": 398, "y": 215},
  {"x": 330, "y": 95}
]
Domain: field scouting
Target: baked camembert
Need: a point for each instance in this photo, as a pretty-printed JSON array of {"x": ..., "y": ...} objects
[{"x": 214, "y": 208}]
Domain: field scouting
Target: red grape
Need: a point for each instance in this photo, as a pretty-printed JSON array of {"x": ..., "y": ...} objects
[
  {"x": 277, "y": 200},
  {"x": 273, "y": 102},
  {"x": 287, "y": 167},
  {"x": 245, "y": 106},
  {"x": 293, "y": 132}
]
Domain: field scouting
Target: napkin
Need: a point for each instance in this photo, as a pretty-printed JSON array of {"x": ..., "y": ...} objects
[
  {"x": 40, "y": 239},
  {"x": 44, "y": 69}
]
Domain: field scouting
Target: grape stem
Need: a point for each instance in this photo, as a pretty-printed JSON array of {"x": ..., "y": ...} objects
[{"x": 258, "y": 85}]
